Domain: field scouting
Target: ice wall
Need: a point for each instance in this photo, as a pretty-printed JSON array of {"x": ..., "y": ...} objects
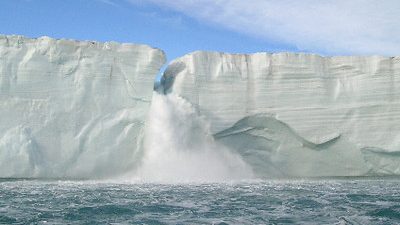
[
  {"x": 73, "y": 108},
  {"x": 298, "y": 114}
]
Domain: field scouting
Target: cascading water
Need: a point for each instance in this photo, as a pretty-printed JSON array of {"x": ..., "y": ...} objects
[{"x": 179, "y": 147}]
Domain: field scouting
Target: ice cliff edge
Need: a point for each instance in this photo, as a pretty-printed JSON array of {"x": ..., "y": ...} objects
[
  {"x": 77, "y": 109},
  {"x": 72, "y": 108},
  {"x": 297, "y": 114}
]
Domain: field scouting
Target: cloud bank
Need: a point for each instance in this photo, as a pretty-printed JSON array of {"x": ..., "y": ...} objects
[{"x": 362, "y": 27}]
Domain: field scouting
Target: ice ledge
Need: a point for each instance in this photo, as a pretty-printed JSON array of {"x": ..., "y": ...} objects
[
  {"x": 293, "y": 55},
  {"x": 19, "y": 40}
]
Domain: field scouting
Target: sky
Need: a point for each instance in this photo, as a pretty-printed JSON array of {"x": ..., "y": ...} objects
[{"x": 325, "y": 27}]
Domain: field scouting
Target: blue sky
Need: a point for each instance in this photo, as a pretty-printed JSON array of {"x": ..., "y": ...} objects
[{"x": 339, "y": 27}]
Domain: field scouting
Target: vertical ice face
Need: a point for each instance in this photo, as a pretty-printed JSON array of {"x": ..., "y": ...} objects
[
  {"x": 72, "y": 108},
  {"x": 298, "y": 114}
]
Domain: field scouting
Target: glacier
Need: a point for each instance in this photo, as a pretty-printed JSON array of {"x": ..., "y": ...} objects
[
  {"x": 297, "y": 114},
  {"x": 73, "y": 109},
  {"x": 87, "y": 110}
]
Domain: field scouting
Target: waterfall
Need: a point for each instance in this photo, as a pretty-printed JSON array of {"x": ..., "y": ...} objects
[{"x": 179, "y": 147}]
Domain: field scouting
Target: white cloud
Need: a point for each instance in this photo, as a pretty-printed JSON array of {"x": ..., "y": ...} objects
[
  {"x": 322, "y": 26},
  {"x": 109, "y": 2}
]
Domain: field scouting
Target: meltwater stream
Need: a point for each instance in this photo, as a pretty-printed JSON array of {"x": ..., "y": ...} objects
[{"x": 179, "y": 147}]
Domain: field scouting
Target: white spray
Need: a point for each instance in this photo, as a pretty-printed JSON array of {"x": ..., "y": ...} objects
[{"x": 180, "y": 148}]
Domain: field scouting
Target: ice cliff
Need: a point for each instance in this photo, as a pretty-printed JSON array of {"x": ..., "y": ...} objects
[
  {"x": 292, "y": 115},
  {"x": 73, "y": 108},
  {"x": 81, "y": 109}
]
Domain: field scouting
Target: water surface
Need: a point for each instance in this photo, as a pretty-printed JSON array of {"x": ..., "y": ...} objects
[{"x": 268, "y": 202}]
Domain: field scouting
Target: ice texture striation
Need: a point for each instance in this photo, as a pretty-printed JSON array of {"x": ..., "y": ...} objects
[
  {"x": 297, "y": 114},
  {"x": 73, "y": 108},
  {"x": 81, "y": 109}
]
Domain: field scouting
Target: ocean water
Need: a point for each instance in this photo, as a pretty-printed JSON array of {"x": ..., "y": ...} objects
[{"x": 344, "y": 201}]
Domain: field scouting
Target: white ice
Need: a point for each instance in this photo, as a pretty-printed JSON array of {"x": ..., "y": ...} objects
[
  {"x": 316, "y": 116},
  {"x": 73, "y": 108}
]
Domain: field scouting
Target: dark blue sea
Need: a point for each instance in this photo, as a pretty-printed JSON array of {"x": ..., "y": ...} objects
[{"x": 342, "y": 201}]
